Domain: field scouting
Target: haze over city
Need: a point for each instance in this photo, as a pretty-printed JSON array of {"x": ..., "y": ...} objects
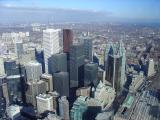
[
  {"x": 79, "y": 60},
  {"x": 19, "y": 11}
]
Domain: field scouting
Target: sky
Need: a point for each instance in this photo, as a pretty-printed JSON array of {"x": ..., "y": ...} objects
[{"x": 119, "y": 9}]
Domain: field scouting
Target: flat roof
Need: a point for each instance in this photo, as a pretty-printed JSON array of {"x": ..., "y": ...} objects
[{"x": 128, "y": 101}]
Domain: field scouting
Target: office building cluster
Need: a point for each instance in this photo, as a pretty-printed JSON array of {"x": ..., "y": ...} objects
[{"x": 70, "y": 78}]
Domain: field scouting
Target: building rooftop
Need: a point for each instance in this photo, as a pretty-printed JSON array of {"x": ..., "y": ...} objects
[
  {"x": 128, "y": 101},
  {"x": 44, "y": 96},
  {"x": 51, "y": 30}
]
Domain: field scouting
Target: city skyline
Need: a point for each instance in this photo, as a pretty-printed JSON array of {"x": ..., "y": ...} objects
[{"x": 79, "y": 60}]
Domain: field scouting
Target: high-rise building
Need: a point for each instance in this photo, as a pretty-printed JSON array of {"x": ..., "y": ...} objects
[
  {"x": 67, "y": 40},
  {"x": 2, "y": 71},
  {"x": 76, "y": 65},
  {"x": 49, "y": 81},
  {"x": 55, "y": 96},
  {"x": 78, "y": 109},
  {"x": 4, "y": 89},
  {"x": 88, "y": 48},
  {"x": 19, "y": 48},
  {"x": 29, "y": 55},
  {"x": 11, "y": 67},
  {"x": 90, "y": 74},
  {"x": 137, "y": 81},
  {"x": 4, "y": 100},
  {"x": 151, "y": 70},
  {"x": 16, "y": 79},
  {"x": 101, "y": 74},
  {"x": 33, "y": 70},
  {"x": 57, "y": 62},
  {"x": 51, "y": 44},
  {"x": 115, "y": 63},
  {"x": 64, "y": 108},
  {"x": 44, "y": 103},
  {"x": 34, "y": 88},
  {"x": 61, "y": 83},
  {"x": 39, "y": 54}
]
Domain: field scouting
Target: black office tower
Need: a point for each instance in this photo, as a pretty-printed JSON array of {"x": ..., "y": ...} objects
[
  {"x": 88, "y": 48},
  {"x": 91, "y": 74},
  {"x": 57, "y": 62},
  {"x": 39, "y": 54},
  {"x": 77, "y": 65},
  {"x": 61, "y": 83}
]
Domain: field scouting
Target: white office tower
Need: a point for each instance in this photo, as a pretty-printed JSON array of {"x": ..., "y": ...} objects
[
  {"x": 151, "y": 69},
  {"x": 13, "y": 112},
  {"x": 33, "y": 70},
  {"x": 51, "y": 44},
  {"x": 44, "y": 103},
  {"x": 64, "y": 108},
  {"x": 2, "y": 71}
]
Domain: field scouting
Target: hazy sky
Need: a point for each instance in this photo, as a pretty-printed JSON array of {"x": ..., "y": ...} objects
[{"x": 129, "y": 9}]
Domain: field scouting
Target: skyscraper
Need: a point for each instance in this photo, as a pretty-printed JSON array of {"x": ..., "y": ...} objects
[
  {"x": 151, "y": 71},
  {"x": 11, "y": 67},
  {"x": 57, "y": 62},
  {"x": 115, "y": 62},
  {"x": 51, "y": 44},
  {"x": 88, "y": 48},
  {"x": 67, "y": 40},
  {"x": 76, "y": 65},
  {"x": 64, "y": 108},
  {"x": 48, "y": 79},
  {"x": 3, "y": 88},
  {"x": 19, "y": 48},
  {"x": 55, "y": 96},
  {"x": 4, "y": 99},
  {"x": 2, "y": 71},
  {"x": 34, "y": 88},
  {"x": 33, "y": 70},
  {"x": 61, "y": 83},
  {"x": 91, "y": 74},
  {"x": 16, "y": 79},
  {"x": 39, "y": 54}
]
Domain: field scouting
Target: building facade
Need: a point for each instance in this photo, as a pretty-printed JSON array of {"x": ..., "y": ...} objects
[
  {"x": 91, "y": 74},
  {"x": 88, "y": 49},
  {"x": 61, "y": 83},
  {"x": 67, "y": 40},
  {"x": 77, "y": 65},
  {"x": 51, "y": 44},
  {"x": 57, "y": 62},
  {"x": 115, "y": 63},
  {"x": 33, "y": 70},
  {"x": 44, "y": 103},
  {"x": 64, "y": 108}
]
